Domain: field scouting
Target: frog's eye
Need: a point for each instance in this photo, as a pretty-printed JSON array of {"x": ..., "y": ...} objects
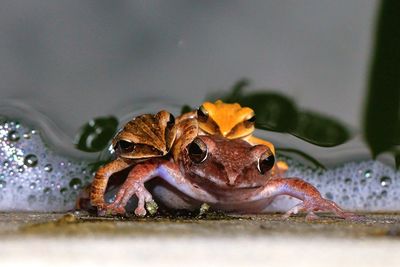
[
  {"x": 252, "y": 119},
  {"x": 124, "y": 146},
  {"x": 197, "y": 150},
  {"x": 202, "y": 114},
  {"x": 171, "y": 121},
  {"x": 265, "y": 163},
  {"x": 250, "y": 122}
]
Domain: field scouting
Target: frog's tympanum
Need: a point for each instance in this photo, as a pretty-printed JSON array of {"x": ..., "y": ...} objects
[
  {"x": 228, "y": 174},
  {"x": 143, "y": 137}
]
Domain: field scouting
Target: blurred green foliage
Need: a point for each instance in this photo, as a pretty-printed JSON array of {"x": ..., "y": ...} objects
[
  {"x": 277, "y": 112},
  {"x": 95, "y": 135},
  {"x": 186, "y": 108},
  {"x": 302, "y": 154},
  {"x": 382, "y": 111}
]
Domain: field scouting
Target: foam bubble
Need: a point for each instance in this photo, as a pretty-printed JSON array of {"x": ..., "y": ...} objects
[
  {"x": 33, "y": 177},
  {"x": 363, "y": 186}
]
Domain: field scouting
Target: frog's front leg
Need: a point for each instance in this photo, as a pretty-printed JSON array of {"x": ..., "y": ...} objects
[
  {"x": 311, "y": 198},
  {"x": 100, "y": 181},
  {"x": 143, "y": 172}
]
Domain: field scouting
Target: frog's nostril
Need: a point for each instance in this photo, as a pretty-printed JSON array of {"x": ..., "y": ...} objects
[{"x": 265, "y": 163}]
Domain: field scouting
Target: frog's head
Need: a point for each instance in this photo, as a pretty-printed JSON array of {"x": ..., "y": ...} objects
[
  {"x": 229, "y": 120},
  {"x": 146, "y": 136},
  {"x": 223, "y": 163}
]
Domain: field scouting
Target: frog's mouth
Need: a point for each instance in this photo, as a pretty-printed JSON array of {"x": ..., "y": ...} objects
[
  {"x": 211, "y": 185},
  {"x": 238, "y": 188}
]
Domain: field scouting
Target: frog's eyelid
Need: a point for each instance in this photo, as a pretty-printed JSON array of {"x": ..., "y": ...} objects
[
  {"x": 252, "y": 118},
  {"x": 125, "y": 146},
  {"x": 202, "y": 114},
  {"x": 265, "y": 162},
  {"x": 171, "y": 120}
]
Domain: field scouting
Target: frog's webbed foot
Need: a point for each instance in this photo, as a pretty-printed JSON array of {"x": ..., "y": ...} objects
[
  {"x": 312, "y": 201},
  {"x": 134, "y": 185},
  {"x": 310, "y": 206},
  {"x": 325, "y": 205},
  {"x": 111, "y": 210},
  {"x": 124, "y": 195}
]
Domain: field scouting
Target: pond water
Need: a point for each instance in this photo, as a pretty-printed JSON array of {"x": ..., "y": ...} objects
[{"x": 40, "y": 170}]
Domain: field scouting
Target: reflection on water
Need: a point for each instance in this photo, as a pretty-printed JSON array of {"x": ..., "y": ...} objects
[{"x": 37, "y": 174}]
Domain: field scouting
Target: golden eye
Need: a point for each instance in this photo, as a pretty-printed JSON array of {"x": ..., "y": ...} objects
[
  {"x": 265, "y": 163},
  {"x": 197, "y": 150},
  {"x": 202, "y": 114},
  {"x": 124, "y": 146}
]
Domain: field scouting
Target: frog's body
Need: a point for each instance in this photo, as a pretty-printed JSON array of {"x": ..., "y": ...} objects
[
  {"x": 232, "y": 121},
  {"x": 145, "y": 136},
  {"x": 151, "y": 136},
  {"x": 229, "y": 175}
]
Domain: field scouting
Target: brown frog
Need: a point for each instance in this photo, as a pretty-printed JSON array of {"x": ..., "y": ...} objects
[
  {"x": 143, "y": 137},
  {"x": 232, "y": 121},
  {"x": 229, "y": 175},
  {"x": 149, "y": 136}
]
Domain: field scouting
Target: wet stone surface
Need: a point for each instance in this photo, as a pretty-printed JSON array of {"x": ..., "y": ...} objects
[{"x": 83, "y": 225}]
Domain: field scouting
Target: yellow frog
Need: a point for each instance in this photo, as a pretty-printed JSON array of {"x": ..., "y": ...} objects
[{"x": 231, "y": 121}]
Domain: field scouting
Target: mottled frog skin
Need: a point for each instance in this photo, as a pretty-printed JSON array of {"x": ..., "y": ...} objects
[
  {"x": 230, "y": 175},
  {"x": 151, "y": 136},
  {"x": 145, "y": 136},
  {"x": 232, "y": 121}
]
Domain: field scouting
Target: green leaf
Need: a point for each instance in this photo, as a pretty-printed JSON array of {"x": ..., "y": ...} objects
[
  {"x": 397, "y": 133},
  {"x": 185, "y": 109},
  {"x": 397, "y": 159},
  {"x": 302, "y": 154},
  {"x": 277, "y": 112},
  {"x": 320, "y": 130},
  {"x": 236, "y": 91},
  {"x": 274, "y": 112},
  {"x": 383, "y": 98},
  {"x": 95, "y": 135}
]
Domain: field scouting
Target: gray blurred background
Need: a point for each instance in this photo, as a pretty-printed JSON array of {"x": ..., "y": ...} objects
[{"x": 75, "y": 60}]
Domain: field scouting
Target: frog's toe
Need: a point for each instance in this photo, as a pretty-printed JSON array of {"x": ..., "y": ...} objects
[
  {"x": 325, "y": 205},
  {"x": 118, "y": 211},
  {"x": 311, "y": 216},
  {"x": 296, "y": 209},
  {"x": 114, "y": 209},
  {"x": 349, "y": 216},
  {"x": 140, "y": 211},
  {"x": 101, "y": 210}
]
